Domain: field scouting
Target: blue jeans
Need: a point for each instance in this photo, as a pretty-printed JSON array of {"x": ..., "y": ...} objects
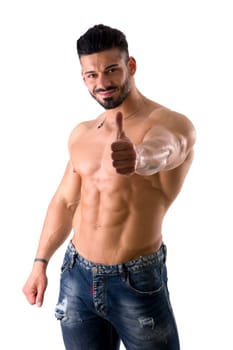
[{"x": 99, "y": 305}]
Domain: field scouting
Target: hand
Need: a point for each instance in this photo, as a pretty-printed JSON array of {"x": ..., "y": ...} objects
[
  {"x": 35, "y": 287},
  {"x": 123, "y": 150}
]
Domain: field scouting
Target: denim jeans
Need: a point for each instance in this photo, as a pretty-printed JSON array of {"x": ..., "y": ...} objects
[{"x": 99, "y": 305}]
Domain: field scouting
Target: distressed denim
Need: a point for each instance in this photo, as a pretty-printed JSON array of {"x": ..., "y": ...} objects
[{"x": 99, "y": 305}]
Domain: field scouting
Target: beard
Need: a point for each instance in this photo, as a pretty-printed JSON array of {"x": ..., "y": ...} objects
[{"x": 110, "y": 102}]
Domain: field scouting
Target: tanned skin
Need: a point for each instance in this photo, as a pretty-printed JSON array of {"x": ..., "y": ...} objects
[{"x": 115, "y": 214}]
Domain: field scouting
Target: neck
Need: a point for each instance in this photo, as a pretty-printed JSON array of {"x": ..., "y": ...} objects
[{"x": 126, "y": 110}]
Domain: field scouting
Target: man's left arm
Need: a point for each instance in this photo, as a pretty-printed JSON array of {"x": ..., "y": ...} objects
[{"x": 164, "y": 147}]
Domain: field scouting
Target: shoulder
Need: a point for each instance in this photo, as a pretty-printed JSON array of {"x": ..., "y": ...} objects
[
  {"x": 167, "y": 116},
  {"x": 174, "y": 122},
  {"x": 80, "y": 130},
  {"x": 160, "y": 115}
]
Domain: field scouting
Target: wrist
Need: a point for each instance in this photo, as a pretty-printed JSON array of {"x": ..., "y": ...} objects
[{"x": 41, "y": 260}]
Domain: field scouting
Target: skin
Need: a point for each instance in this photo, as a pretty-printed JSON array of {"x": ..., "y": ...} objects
[{"x": 114, "y": 212}]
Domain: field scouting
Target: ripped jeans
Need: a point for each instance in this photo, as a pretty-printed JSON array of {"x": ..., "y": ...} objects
[{"x": 99, "y": 305}]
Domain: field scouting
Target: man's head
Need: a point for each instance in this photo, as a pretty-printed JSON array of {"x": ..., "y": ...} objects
[{"x": 107, "y": 68}]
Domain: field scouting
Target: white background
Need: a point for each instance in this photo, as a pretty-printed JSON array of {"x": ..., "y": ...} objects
[{"x": 184, "y": 55}]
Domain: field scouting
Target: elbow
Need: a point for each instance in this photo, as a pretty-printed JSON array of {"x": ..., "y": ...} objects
[{"x": 72, "y": 206}]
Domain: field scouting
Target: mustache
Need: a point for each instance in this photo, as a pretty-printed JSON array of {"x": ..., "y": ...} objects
[{"x": 107, "y": 89}]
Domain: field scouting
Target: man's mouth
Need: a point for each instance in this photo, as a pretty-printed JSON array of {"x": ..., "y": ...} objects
[{"x": 106, "y": 93}]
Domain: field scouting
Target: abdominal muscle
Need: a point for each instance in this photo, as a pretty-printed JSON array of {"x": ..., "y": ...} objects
[{"x": 118, "y": 222}]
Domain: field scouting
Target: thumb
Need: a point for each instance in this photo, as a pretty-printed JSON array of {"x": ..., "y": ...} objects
[{"x": 119, "y": 126}]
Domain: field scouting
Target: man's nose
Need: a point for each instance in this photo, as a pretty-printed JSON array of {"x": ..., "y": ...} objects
[{"x": 103, "y": 81}]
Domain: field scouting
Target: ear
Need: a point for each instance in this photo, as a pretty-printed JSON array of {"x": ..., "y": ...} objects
[
  {"x": 83, "y": 76},
  {"x": 132, "y": 65}
]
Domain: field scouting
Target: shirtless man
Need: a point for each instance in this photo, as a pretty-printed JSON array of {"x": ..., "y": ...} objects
[{"x": 125, "y": 169}]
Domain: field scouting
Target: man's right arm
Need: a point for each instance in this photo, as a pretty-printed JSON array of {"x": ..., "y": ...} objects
[{"x": 56, "y": 228}]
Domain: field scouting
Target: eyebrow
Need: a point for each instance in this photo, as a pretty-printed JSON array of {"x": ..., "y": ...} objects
[{"x": 106, "y": 68}]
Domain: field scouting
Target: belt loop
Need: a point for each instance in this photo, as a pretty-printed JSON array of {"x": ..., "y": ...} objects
[
  {"x": 72, "y": 259},
  {"x": 124, "y": 273},
  {"x": 164, "y": 253}
]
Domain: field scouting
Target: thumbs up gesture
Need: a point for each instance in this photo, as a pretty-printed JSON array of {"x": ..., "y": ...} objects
[{"x": 123, "y": 151}]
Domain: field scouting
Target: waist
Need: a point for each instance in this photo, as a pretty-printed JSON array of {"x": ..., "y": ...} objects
[
  {"x": 137, "y": 264},
  {"x": 119, "y": 243}
]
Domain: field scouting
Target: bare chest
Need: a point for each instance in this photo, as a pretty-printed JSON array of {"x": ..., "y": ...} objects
[
  {"x": 91, "y": 156},
  {"x": 91, "y": 153}
]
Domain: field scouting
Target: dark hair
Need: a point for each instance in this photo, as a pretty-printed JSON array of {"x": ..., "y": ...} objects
[{"x": 100, "y": 38}]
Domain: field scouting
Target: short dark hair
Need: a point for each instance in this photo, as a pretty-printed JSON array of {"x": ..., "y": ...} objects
[{"x": 100, "y": 38}]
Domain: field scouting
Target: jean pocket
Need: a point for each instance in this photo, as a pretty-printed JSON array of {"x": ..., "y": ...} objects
[{"x": 146, "y": 281}]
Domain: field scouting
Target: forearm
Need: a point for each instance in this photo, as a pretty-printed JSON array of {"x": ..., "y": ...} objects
[
  {"x": 56, "y": 228},
  {"x": 150, "y": 160},
  {"x": 164, "y": 152}
]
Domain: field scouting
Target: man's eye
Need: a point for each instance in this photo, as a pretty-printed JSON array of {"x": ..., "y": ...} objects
[
  {"x": 110, "y": 71},
  {"x": 91, "y": 76}
]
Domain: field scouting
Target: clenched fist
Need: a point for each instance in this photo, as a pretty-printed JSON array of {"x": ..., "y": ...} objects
[{"x": 123, "y": 150}]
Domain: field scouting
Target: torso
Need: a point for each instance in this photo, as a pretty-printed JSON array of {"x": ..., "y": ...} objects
[{"x": 119, "y": 217}]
